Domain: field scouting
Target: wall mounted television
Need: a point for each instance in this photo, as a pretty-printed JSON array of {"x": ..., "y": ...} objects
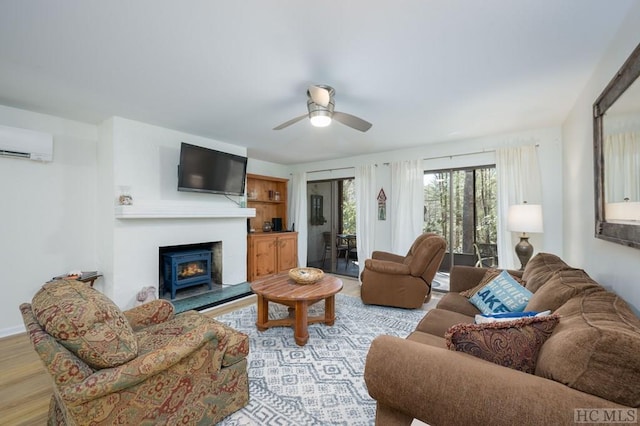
[{"x": 207, "y": 170}]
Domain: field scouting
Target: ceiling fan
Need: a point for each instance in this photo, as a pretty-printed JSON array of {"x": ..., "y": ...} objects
[{"x": 320, "y": 104}]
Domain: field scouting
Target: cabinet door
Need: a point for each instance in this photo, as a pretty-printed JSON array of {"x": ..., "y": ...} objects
[
  {"x": 287, "y": 252},
  {"x": 264, "y": 257}
]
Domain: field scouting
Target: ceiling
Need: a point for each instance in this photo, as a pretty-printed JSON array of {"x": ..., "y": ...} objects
[{"x": 422, "y": 71}]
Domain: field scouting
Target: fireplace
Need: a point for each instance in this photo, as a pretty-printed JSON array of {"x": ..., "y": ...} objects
[
  {"x": 184, "y": 269},
  {"x": 190, "y": 265}
]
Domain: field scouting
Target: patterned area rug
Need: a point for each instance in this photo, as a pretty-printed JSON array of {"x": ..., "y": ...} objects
[{"x": 322, "y": 382}]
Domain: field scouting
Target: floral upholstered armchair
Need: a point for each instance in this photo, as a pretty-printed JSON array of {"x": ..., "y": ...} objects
[{"x": 141, "y": 366}]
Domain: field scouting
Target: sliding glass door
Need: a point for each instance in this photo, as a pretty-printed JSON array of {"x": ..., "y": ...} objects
[
  {"x": 461, "y": 205},
  {"x": 331, "y": 236}
]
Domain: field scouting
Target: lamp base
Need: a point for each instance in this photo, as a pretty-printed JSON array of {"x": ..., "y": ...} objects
[{"x": 524, "y": 250}]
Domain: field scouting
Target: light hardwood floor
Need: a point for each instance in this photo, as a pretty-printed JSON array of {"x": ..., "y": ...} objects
[{"x": 25, "y": 386}]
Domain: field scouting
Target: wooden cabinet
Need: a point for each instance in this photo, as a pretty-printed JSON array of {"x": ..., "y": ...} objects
[
  {"x": 268, "y": 195},
  {"x": 271, "y": 252}
]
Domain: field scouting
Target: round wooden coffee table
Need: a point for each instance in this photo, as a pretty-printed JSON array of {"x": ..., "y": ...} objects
[{"x": 283, "y": 290}]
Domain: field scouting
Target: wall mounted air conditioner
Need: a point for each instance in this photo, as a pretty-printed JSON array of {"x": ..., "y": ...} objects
[{"x": 23, "y": 143}]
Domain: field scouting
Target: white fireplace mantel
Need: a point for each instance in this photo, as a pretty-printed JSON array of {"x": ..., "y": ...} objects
[{"x": 181, "y": 211}]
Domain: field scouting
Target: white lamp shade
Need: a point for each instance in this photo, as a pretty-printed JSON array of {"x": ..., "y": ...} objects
[
  {"x": 628, "y": 211},
  {"x": 525, "y": 218}
]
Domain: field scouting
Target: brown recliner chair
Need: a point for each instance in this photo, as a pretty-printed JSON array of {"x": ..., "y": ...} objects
[{"x": 403, "y": 281}]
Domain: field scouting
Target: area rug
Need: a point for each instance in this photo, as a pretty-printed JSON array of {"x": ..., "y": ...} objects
[{"x": 322, "y": 382}]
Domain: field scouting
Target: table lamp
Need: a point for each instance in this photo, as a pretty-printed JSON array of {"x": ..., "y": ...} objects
[
  {"x": 524, "y": 218},
  {"x": 623, "y": 212}
]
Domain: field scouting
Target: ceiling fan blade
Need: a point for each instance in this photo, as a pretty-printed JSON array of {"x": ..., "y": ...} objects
[
  {"x": 352, "y": 121},
  {"x": 290, "y": 122},
  {"x": 319, "y": 95}
]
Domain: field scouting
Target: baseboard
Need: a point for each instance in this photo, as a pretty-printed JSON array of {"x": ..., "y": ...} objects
[{"x": 11, "y": 331}]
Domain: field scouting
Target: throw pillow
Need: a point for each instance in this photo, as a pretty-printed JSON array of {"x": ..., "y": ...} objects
[
  {"x": 86, "y": 322},
  {"x": 514, "y": 344},
  {"x": 502, "y": 294},
  {"x": 488, "y": 276}
]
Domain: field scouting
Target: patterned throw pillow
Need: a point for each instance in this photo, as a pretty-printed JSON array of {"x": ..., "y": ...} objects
[
  {"x": 488, "y": 276},
  {"x": 502, "y": 294},
  {"x": 86, "y": 322},
  {"x": 514, "y": 344}
]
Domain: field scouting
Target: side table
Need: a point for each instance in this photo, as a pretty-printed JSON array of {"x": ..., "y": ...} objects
[{"x": 85, "y": 277}]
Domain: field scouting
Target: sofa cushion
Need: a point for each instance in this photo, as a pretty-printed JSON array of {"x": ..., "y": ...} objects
[
  {"x": 514, "y": 344},
  {"x": 595, "y": 348},
  {"x": 159, "y": 336},
  {"x": 438, "y": 321},
  {"x": 488, "y": 276},
  {"x": 457, "y": 303},
  {"x": 561, "y": 286},
  {"x": 502, "y": 294},
  {"x": 85, "y": 322},
  {"x": 539, "y": 269},
  {"x": 232, "y": 342}
]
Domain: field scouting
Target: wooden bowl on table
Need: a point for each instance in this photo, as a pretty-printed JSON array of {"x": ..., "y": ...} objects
[{"x": 306, "y": 275}]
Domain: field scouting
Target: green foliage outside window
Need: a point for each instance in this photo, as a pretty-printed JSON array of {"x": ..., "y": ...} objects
[
  {"x": 348, "y": 207},
  {"x": 470, "y": 196}
]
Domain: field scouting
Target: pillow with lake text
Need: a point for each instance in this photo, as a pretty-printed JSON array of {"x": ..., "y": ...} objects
[
  {"x": 501, "y": 294},
  {"x": 488, "y": 276}
]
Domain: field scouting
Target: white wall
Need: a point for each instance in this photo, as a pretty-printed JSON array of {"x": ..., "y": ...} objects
[
  {"x": 610, "y": 264},
  {"x": 47, "y": 217},
  {"x": 258, "y": 167},
  {"x": 59, "y": 216},
  {"x": 145, "y": 158},
  {"x": 462, "y": 153}
]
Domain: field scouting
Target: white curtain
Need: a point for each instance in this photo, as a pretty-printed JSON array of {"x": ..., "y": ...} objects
[
  {"x": 622, "y": 160},
  {"x": 298, "y": 213},
  {"x": 518, "y": 180},
  {"x": 407, "y": 204},
  {"x": 366, "y": 211}
]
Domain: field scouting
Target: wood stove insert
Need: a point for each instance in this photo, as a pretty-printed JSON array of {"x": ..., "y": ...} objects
[{"x": 187, "y": 268}]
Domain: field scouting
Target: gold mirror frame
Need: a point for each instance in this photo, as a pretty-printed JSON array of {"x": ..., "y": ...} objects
[{"x": 621, "y": 233}]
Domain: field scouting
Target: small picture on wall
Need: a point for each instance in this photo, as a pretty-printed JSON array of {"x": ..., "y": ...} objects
[{"x": 382, "y": 205}]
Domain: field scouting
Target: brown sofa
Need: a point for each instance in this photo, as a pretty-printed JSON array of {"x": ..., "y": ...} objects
[
  {"x": 590, "y": 362},
  {"x": 389, "y": 279}
]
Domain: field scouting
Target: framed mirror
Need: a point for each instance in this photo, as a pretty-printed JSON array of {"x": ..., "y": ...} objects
[{"x": 616, "y": 146}]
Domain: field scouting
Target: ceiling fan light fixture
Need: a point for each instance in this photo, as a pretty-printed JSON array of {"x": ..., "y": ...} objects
[
  {"x": 320, "y": 118},
  {"x": 320, "y": 104}
]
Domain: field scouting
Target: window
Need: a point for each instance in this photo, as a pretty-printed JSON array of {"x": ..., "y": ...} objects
[
  {"x": 347, "y": 201},
  {"x": 461, "y": 205}
]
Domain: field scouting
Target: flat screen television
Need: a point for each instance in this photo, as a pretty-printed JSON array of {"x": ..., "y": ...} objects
[{"x": 207, "y": 170}]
